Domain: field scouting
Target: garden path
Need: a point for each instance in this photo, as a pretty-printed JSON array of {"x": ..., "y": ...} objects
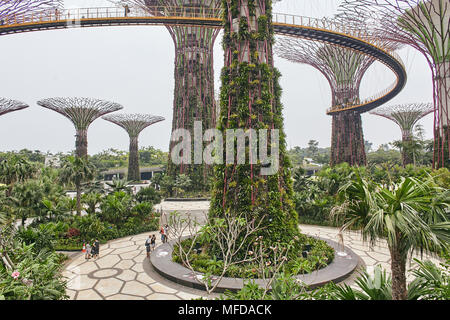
[{"x": 123, "y": 272}]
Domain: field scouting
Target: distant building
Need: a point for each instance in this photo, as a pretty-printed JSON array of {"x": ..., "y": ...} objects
[
  {"x": 147, "y": 173},
  {"x": 52, "y": 161}
]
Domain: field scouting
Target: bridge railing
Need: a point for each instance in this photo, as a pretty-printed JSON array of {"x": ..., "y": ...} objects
[
  {"x": 326, "y": 24},
  {"x": 111, "y": 12},
  {"x": 363, "y": 102}
]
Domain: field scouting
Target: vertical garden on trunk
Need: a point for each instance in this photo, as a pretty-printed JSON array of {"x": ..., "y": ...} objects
[{"x": 250, "y": 99}]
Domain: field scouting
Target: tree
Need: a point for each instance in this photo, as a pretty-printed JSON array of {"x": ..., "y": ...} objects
[
  {"x": 77, "y": 170},
  {"x": 182, "y": 183},
  {"x": 133, "y": 125},
  {"x": 368, "y": 146},
  {"x": 116, "y": 207},
  {"x": 81, "y": 112},
  {"x": 15, "y": 169},
  {"x": 313, "y": 147},
  {"x": 91, "y": 199},
  {"x": 410, "y": 215}
]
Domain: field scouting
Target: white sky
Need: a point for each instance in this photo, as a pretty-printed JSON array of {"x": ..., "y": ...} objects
[{"x": 133, "y": 65}]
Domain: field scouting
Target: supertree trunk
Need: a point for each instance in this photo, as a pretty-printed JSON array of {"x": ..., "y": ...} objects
[
  {"x": 133, "y": 125},
  {"x": 194, "y": 86},
  {"x": 250, "y": 99},
  {"x": 133, "y": 161},
  {"x": 81, "y": 112},
  {"x": 405, "y": 116},
  {"x": 425, "y": 26},
  {"x": 81, "y": 143},
  {"x": 347, "y": 139},
  {"x": 407, "y": 155},
  {"x": 442, "y": 100}
]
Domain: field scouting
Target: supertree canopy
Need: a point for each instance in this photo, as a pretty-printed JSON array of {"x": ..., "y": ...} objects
[
  {"x": 250, "y": 99},
  {"x": 194, "y": 78},
  {"x": 82, "y": 112},
  {"x": 424, "y": 25},
  {"x": 8, "y": 105},
  {"x": 344, "y": 69},
  {"x": 133, "y": 125},
  {"x": 9, "y": 9},
  {"x": 405, "y": 116}
]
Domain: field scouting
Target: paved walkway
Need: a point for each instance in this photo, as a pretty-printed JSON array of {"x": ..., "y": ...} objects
[{"x": 123, "y": 272}]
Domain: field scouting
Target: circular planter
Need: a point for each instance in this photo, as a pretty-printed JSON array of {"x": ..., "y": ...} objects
[{"x": 340, "y": 268}]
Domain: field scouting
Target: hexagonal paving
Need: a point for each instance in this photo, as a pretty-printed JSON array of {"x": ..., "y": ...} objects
[{"x": 122, "y": 272}]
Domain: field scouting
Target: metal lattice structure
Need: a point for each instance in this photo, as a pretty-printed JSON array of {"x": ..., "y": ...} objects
[
  {"x": 344, "y": 69},
  {"x": 133, "y": 125},
  {"x": 423, "y": 25},
  {"x": 24, "y": 8},
  {"x": 405, "y": 116},
  {"x": 250, "y": 98},
  {"x": 8, "y": 105},
  {"x": 81, "y": 112},
  {"x": 194, "y": 77}
]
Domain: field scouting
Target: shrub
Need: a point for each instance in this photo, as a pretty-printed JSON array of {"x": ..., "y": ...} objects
[{"x": 148, "y": 194}]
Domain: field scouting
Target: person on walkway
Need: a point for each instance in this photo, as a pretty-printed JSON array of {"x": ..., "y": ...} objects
[
  {"x": 127, "y": 10},
  {"x": 96, "y": 250},
  {"x": 166, "y": 232},
  {"x": 153, "y": 242},
  {"x": 147, "y": 245},
  {"x": 161, "y": 231},
  {"x": 88, "y": 251}
]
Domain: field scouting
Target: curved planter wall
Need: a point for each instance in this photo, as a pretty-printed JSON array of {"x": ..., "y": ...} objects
[{"x": 339, "y": 269}]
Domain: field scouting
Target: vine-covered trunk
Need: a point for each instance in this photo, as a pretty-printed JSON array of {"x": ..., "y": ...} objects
[
  {"x": 442, "y": 117},
  {"x": 407, "y": 152},
  {"x": 398, "y": 269},
  {"x": 78, "y": 189},
  {"x": 133, "y": 161},
  {"x": 193, "y": 95},
  {"x": 250, "y": 99},
  {"x": 81, "y": 143},
  {"x": 347, "y": 139}
]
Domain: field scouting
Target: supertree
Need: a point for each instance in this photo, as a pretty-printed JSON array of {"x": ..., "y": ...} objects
[
  {"x": 8, "y": 105},
  {"x": 81, "y": 112},
  {"x": 10, "y": 9},
  {"x": 344, "y": 69},
  {"x": 133, "y": 125},
  {"x": 250, "y": 99},
  {"x": 423, "y": 25},
  {"x": 405, "y": 116},
  {"x": 194, "y": 77}
]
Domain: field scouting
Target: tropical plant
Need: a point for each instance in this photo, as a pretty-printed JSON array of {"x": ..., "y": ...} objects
[
  {"x": 148, "y": 194},
  {"x": 35, "y": 275},
  {"x": 410, "y": 215},
  {"x": 77, "y": 170},
  {"x": 13, "y": 169},
  {"x": 91, "y": 200},
  {"x": 116, "y": 207},
  {"x": 119, "y": 185}
]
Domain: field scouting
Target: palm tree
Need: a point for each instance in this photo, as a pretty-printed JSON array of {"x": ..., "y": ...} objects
[
  {"x": 14, "y": 169},
  {"x": 91, "y": 199},
  {"x": 410, "y": 215},
  {"x": 77, "y": 170}
]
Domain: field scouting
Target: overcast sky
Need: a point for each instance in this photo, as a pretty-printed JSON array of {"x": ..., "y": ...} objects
[{"x": 133, "y": 65}]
